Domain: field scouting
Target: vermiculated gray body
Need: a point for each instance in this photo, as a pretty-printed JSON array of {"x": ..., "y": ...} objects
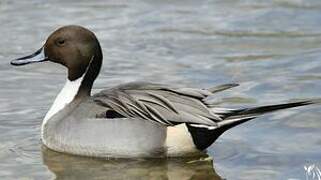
[
  {"x": 137, "y": 125},
  {"x": 75, "y": 130}
]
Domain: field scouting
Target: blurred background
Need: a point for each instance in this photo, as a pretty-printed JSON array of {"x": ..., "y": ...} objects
[{"x": 271, "y": 47}]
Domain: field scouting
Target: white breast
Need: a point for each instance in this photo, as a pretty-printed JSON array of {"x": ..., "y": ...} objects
[{"x": 66, "y": 95}]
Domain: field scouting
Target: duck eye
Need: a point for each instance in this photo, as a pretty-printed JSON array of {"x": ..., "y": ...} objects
[{"x": 60, "y": 42}]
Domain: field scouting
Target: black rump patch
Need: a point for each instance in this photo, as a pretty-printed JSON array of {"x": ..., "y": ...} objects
[{"x": 203, "y": 137}]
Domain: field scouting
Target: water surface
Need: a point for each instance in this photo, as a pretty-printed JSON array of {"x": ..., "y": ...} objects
[{"x": 271, "y": 47}]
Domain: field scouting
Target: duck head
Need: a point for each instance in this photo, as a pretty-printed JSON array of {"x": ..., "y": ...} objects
[{"x": 74, "y": 47}]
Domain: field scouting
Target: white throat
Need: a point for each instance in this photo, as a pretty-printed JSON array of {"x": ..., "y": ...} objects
[{"x": 66, "y": 95}]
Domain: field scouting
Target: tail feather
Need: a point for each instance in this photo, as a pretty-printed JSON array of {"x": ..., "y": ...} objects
[
  {"x": 232, "y": 116},
  {"x": 270, "y": 108},
  {"x": 203, "y": 135},
  {"x": 223, "y": 87}
]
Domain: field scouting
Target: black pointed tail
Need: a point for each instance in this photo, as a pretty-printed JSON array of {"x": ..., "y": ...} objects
[
  {"x": 204, "y": 136},
  {"x": 235, "y": 117}
]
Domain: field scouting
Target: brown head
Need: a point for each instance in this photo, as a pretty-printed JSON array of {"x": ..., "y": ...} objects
[{"x": 74, "y": 47}]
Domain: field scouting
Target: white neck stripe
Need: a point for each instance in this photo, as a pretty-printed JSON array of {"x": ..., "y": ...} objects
[{"x": 66, "y": 95}]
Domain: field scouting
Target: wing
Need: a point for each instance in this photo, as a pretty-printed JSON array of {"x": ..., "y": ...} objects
[{"x": 162, "y": 104}]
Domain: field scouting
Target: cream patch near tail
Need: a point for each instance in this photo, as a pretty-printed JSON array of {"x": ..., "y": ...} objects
[{"x": 179, "y": 142}]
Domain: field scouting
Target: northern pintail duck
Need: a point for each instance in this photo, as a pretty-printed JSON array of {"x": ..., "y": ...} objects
[{"x": 137, "y": 119}]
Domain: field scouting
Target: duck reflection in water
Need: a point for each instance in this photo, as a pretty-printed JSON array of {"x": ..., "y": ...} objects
[{"x": 66, "y": 166}]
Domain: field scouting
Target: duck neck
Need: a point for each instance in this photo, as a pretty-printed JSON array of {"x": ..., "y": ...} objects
[
  {"x": 89, "y": 77},
  {"x": 77, "y": 89}
]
